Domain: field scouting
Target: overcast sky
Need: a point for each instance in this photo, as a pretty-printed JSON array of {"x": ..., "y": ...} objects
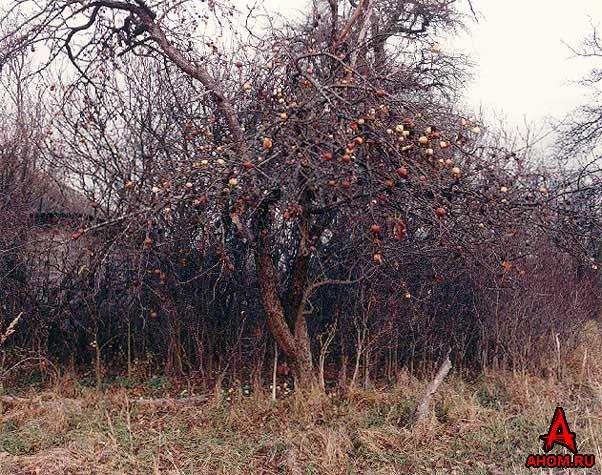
[{"x": 523, "y": 66}]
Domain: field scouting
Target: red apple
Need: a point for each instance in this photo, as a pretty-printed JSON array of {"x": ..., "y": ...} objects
[{"x": 402, "y": 172}]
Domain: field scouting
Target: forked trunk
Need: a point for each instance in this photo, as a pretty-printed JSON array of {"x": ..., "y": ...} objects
[{"x": 294, "y": 342}]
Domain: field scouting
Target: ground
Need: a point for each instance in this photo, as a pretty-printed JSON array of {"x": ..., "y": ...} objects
[{"x": 487, "y": 426}]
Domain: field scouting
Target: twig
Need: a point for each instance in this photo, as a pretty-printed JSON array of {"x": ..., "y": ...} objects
[
  {"x": 275, "y": 371},
  {"x": 11, "y": 329},
  {"x": 474, "y": 13}
]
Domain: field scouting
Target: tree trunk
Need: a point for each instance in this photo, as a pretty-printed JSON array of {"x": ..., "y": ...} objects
[
  {"x": 270, "y": 299},
  {"x": 304, "y": 376},
  {"x": 295, "y": 342}
]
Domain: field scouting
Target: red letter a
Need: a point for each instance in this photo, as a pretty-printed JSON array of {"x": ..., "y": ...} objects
[{"x": 559, "y": 433}]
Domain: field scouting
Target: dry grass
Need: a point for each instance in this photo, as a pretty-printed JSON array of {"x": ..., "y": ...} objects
[{"x": 485, "y": 427}]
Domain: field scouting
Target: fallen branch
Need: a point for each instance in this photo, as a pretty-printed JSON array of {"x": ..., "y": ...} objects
[
  {"x": 14, "y": 399},
  {"x": 189, "y": 401},
  {"x": 431, "y": 389}
]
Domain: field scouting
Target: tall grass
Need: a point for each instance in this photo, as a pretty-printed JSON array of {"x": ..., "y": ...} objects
[{"x": 487, "y": 426}]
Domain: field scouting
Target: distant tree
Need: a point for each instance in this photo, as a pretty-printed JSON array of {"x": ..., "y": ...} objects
[
  {"x": 581, "y": 130},
  {"x": 579, "y": 143}
]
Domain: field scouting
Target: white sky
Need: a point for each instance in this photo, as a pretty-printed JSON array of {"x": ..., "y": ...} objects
[{"x": 523, "y": 67}]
